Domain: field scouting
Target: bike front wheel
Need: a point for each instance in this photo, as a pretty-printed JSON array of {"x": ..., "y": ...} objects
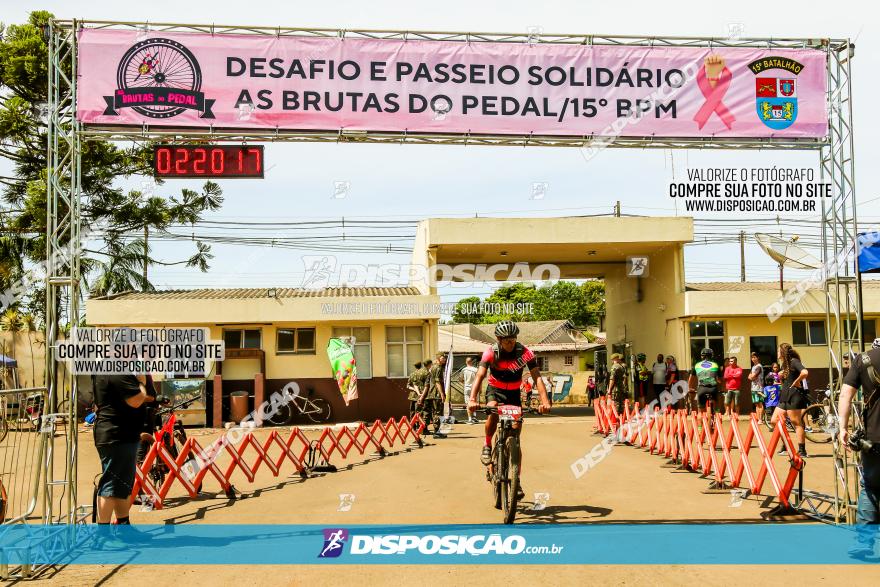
[
  {"x": 319, "y": 411},
  {"x": 510, "y": 480},
  {"x": 817, "y": 424}
]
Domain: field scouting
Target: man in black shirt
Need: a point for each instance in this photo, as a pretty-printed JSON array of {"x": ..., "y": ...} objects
[
  {"x": 120, "y": 402},
  {"x": 865, "y": 373}
]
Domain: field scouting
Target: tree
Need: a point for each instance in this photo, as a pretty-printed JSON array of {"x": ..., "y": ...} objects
[
  {"x": 29, "y": 323},
  {"x": 462, "y": 313},
  {"x": 10, "y": 321},
  {"x": 582, "y": 304},
  {"x": 111, "y": 215}
]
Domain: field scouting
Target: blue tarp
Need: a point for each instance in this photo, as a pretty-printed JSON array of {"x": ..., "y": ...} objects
[{"x": 869, "y": 253}]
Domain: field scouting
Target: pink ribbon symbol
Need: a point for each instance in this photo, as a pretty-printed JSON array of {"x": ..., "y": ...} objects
[{"x": 713, "y": 97}]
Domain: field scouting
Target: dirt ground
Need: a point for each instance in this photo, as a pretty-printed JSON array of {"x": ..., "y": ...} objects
[{"x": 444, "y": 483}]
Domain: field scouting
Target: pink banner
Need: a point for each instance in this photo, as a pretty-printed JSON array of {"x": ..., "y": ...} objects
[{"x": 307, "y": 83}]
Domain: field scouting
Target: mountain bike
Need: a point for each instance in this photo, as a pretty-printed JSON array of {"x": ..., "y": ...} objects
[
  {"x": 503, "y": 471},
  {"x": 317, "y": 410},
  {"x": 820, "y": 421},
  {"x": 168, "y": 430}
]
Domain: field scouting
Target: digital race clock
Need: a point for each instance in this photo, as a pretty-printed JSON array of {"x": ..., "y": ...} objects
[{"x": 208, "y": 161}]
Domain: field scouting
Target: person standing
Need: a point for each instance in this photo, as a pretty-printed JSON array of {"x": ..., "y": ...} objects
[
  {"x": 413, "y": 387},
  {"x": 616, "y": 376},
  {"x": 793, "y": 398},
  {"x": 467, "y": 377},
  {"x": 591, "y": 390},
  {"x": 643, "y": 377},
  {"x": 864, "y": 374},
  {"x": 658, "y": 377},
  {"x": 672, "y": 378},
  {"x": 732, "y": 379},
  {"x": 435, "y": 394},
  {"x": 756, "y": 383},
  {"x": 705, "y": 380},
  {"x": 119, "y": 422},
  {"x": 775, "y": 376}
]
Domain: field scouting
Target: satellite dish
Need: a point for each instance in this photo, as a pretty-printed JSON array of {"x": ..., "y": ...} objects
[{"x": 786, "y": 253}]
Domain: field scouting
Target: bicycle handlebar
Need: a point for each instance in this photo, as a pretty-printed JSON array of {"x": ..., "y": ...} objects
[{"x": 182, "y": 405}]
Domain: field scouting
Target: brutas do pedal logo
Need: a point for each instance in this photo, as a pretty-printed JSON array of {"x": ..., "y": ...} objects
[{"x": 159, "y": 78}]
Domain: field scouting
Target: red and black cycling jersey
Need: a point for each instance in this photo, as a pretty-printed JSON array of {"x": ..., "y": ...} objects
[{"x": 505, "y": 369}]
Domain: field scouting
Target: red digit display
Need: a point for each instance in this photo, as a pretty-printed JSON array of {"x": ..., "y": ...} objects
[{"x": 208, "y": 161}]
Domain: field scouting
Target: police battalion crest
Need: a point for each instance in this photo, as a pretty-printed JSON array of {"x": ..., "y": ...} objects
[{"x": 776, "y": 90}]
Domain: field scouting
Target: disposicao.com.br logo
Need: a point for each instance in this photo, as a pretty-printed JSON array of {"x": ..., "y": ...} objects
[{"x": 449, "y": 544}]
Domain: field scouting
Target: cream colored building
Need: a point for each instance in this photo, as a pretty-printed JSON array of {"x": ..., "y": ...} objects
[
  {"x": 275, "y": 335},
  {"x": 649, "y": 307}
]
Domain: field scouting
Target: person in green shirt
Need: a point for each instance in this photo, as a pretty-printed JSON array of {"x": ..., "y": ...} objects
[{"x": 705, "y": 379}]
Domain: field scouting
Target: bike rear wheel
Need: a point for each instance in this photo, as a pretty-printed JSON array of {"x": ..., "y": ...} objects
[
  {"x": 817, "y": 424},
  {"x": 283, "y": 415},
  {"x": 319, "y": 411},
  {"x": 510, "y": 480}
]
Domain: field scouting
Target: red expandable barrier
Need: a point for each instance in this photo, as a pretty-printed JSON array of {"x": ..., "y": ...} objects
[
  {"x": 193, "y": 463},
  {"x": 687, "y": 437}
]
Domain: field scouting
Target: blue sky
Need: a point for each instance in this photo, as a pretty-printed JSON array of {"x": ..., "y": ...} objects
[{"x": 412, "y": 182}]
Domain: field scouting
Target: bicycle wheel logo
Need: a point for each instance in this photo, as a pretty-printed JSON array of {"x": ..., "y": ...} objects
[{"x": 159, "y": 78}]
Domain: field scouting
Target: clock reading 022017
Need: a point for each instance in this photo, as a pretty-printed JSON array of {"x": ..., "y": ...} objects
[{"x": 208, "y": 161}]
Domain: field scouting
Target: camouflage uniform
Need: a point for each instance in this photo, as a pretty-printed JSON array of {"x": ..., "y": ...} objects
[
  {"x": 416, "y": 379},
  {"x": 617, "y": 375},
  {"x": 432, "y": 407}
]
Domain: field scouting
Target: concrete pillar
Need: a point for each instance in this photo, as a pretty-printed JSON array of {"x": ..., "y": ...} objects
[
  {"x": 217, "y": 402},
  {"x": 259, "y": 396}
]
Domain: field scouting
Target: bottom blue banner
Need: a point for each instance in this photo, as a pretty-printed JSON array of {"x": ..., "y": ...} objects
[{"x": 646, "y": 544}]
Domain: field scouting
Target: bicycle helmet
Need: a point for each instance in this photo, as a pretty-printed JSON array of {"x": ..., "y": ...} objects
[
  {"x": 506, "y": 329},
  {"x": 876, "y": 344},
  {"x": 641, "y": 356},
  {"x": 707, "y": 353}
]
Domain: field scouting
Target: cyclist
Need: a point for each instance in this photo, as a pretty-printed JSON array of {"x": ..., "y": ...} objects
[
  {"x": 705, "y": 379},
  {"x": 504, "y": 362}
]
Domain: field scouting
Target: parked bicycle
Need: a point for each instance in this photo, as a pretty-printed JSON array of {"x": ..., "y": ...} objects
[
  {"x": 316, "y": 409},
  {"x": 503, "y": 470},
  {"x": 820, "y": 421}
]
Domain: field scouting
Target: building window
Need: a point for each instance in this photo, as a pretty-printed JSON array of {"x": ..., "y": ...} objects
[
  {"x": 868, "y": 335},
  {"x": 765, "y": 347},
  {"x": 243, "y": 339},
  {"x": 808, "y": 332},
  {"x": 708, "y": 334},
  {"x": 543, "y": 364},
  {"x": 569, "y": 360},
  {"x": 360, "y": 336},
  {"x": 295, "y": 341},
  {"x": 403, "y": 347}
]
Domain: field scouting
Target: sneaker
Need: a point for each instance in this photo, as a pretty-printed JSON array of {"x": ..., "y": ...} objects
[
  {"x": 803, "y": 454},
  {"x": 520, "y": 494},
  {"x": 486, "y": 455},
  {"x": 438, "y": 435},
  {"x": 782, "y": 451}
]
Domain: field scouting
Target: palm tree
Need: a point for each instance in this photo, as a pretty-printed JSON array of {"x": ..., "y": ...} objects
[
  {"x": 29, "y": 323},
  {"x": 122, "y": 271},
  {"x": 10, "y": 321}
]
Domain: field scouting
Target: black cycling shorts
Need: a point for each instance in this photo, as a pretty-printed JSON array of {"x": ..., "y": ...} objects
[
  {"x": 704, "y": 394},
  {"x": 510, "y": 397}
]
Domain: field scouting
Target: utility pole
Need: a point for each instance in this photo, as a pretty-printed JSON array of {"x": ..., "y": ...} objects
[
  {"x": 617, "y": 209},
  {"x": 742, "y": 256}
]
